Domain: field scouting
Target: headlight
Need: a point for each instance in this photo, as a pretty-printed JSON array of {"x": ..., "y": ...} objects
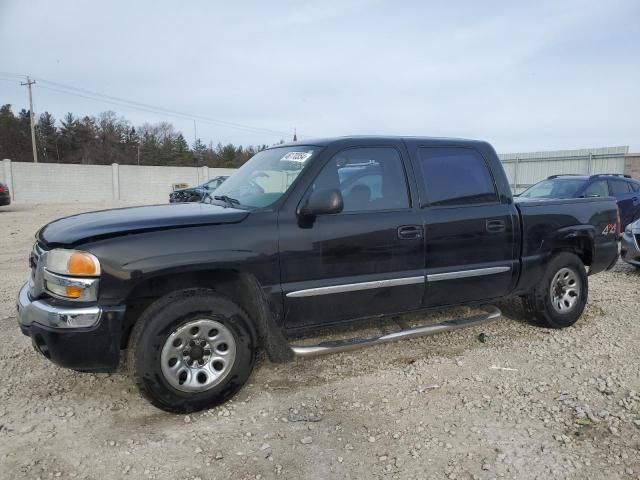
[
  {"x": 628, "y": 230},
  {"x": 63, "y": 269},
  {"x": 73, "y": 262}
]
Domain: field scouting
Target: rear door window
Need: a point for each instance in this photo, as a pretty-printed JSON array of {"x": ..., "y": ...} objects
[{"x": 456, "y": 176}]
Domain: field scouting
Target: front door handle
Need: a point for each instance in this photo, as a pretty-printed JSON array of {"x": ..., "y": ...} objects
[
  {"x": 409, "y": 232},
  {"x": 495, "y": 226}
]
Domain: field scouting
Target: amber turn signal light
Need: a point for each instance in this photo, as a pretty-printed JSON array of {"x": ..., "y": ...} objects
[
  {"x": 73, "y": 292},
  {"x": 81, "y": 264}
]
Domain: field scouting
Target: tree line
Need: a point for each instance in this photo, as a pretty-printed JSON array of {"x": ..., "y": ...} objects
[{"x": 107, "y": 138}]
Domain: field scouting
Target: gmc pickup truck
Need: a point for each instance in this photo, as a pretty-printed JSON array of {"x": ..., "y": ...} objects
[{"x": 301, "y": 237}]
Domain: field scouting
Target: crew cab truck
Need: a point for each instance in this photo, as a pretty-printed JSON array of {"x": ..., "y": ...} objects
[{"x": 303, "y": 236}]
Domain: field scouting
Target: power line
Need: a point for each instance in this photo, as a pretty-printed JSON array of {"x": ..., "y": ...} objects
[
  {"x": 113, "y": 102},
  {"x": 10, "y": 80},
  {"x": 96, "y": 96},
  {"x": 16, "y": 75},
  {"x": 182, "y": 116},
  {"x": 153, "y": 108},
  {"x": 162, "y": 109}
]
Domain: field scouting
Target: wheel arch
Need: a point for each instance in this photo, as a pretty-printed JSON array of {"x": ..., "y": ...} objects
[
  {"x": 579, "y": 241},
  {"x": 240, "y": 287}
]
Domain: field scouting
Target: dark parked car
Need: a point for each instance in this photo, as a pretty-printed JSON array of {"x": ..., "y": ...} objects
[
  {"x": 5, "y": 196},
  {"x": 197, "y": 193},
  {"x": 623, "y": 188},
  {"x": 630, "y": 244},
  {"x": 304, "y": 236}
]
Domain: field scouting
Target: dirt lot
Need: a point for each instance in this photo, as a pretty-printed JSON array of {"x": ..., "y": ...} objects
[{"x": 528, "y": 403}]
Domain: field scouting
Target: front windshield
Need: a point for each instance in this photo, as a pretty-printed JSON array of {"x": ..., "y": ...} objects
[
  {"x": 265, "y": 177},
  {"x": 554, "y": 188}
]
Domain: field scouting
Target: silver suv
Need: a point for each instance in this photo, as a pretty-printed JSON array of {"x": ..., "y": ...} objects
[{"x": 630, "y": 246}]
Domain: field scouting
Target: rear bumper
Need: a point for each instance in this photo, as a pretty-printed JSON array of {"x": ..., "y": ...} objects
[
  {"x": 95, "y": 348},
  {"x": 630, "y": 249},
  {"x": 5, "y": 199}
]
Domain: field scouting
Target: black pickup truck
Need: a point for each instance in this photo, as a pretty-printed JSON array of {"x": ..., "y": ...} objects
[{"x": 304, "y": 236}]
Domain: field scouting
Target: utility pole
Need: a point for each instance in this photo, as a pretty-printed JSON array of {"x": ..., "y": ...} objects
[
  {"x": 195, "y": 134},
  {"x": 32, "y": 117},
  {"x": 195, "y": 144}
]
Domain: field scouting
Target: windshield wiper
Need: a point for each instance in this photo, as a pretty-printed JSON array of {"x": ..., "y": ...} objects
[{"x": 229, "y": 201}]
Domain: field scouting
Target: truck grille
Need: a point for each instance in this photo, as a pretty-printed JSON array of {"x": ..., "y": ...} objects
[
  {"x": 35, "y": 255},
  {"x": 37, "y": 282}
]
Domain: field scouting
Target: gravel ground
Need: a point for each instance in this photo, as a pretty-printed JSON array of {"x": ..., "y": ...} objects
[{"x": 528, "y": 402}]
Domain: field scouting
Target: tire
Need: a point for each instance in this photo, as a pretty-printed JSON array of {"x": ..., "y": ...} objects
[
  {"x": 540, "y": 306},
  {"x": 191, "y": 350}
]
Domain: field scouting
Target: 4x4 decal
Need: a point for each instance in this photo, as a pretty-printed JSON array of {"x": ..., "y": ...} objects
[{"x": 609, "y": 229}]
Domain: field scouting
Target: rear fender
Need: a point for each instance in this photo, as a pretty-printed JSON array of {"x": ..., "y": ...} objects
[{"x": 577, "y": 239}]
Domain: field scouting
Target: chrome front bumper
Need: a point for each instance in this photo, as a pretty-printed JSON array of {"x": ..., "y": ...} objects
[
  {"x": 630, "y": 250},
  {"x": 84, "y": 338},
  {"x": 51, "y": 316}
]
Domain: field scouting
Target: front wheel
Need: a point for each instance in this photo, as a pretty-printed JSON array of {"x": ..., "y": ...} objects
[
  {"x": 191, "y": 350},
  {"x": 561, "y": 296}
]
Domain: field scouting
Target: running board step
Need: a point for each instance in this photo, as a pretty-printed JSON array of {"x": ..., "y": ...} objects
[{"x": 492, "y": 313}]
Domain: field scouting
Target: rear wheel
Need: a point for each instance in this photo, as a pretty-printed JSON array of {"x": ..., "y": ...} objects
[
  {"x": 191, "y": 350},
  {"x": 561, "y": 296}
]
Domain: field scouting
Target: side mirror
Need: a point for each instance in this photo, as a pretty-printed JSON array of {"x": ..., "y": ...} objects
[{"x": 323, "y": 202}]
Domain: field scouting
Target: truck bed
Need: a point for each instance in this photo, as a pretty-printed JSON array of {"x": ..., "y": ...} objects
[{"x": 553, "y": 224}]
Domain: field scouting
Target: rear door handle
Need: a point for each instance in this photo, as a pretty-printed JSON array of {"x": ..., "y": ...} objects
[
  {"x": 495, "y": 226},
  {"x": 409, "y": 232}
]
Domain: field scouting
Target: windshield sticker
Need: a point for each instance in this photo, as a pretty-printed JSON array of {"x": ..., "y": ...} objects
[{"x": 296, "y": 157}]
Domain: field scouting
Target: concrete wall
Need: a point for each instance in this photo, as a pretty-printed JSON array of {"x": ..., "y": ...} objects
[
  {"x": 60, "y": 183},
  {"x": 50, "y": 182}
]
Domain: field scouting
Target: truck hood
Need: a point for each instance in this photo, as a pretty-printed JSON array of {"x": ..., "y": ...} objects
[{"x": 124, "y": 221}]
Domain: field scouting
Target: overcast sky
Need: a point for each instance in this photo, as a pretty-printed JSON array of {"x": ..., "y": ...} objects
[{"x": 529, "y": 75}]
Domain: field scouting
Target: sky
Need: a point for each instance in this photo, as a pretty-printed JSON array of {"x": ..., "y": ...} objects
[{"x": 524, "y": 75}]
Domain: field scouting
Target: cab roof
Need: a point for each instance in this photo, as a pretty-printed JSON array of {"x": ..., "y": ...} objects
[{"x": 358, "y": 139}]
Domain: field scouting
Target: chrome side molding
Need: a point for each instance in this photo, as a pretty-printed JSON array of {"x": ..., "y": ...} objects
[
  {"x": 396, "y": 282},
  {"x": 478, "y": 272},
  {"x": 492, "y": 313},
  {"x": 353, "y": 287}
]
